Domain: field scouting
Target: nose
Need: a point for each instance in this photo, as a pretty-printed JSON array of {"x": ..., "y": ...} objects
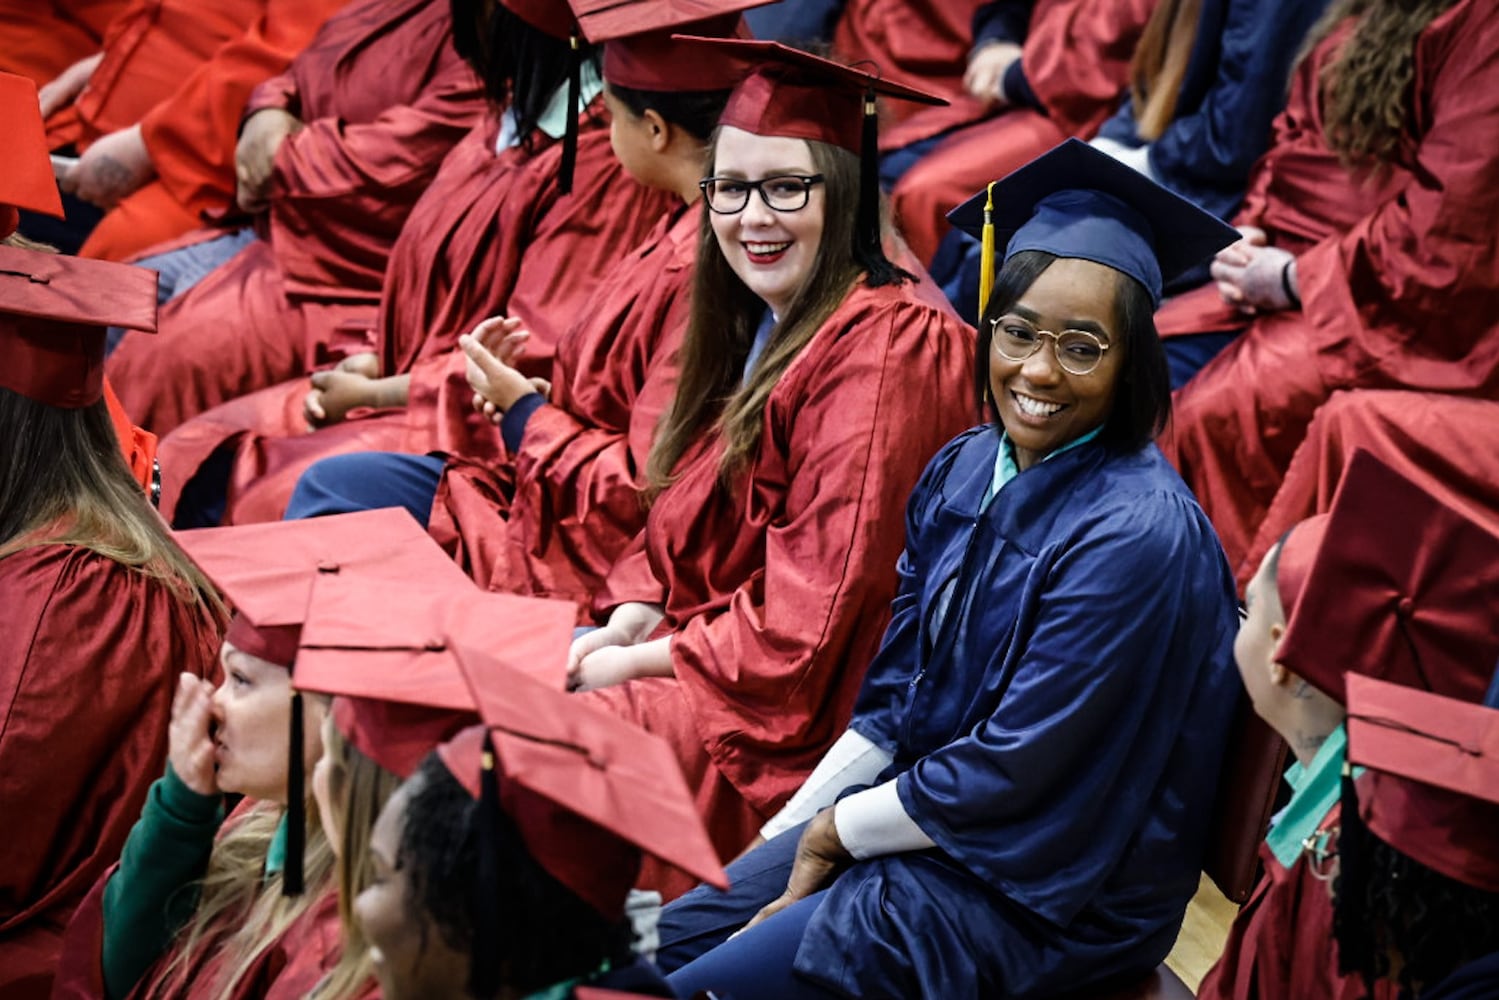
[
  {"x": 1041, "y": 368},
  {"x": 756, "y": 213}
]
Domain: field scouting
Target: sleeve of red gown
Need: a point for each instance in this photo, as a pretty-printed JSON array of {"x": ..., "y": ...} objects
[
  {"x": 90, "y": 652},
  {"x": 630, "y": 579},
  {"x": 1076, "y": 56},
  {"x": 774, "y": 675},
  {"x": 192, "y": 137},
  {"x": 337, "y": 175},
  {"x": 586, "y": 473},
  {"x": 1410, "y": 288}
]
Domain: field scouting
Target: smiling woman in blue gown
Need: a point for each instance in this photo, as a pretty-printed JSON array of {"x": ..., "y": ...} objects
[{"x": 1023, "y": 793}]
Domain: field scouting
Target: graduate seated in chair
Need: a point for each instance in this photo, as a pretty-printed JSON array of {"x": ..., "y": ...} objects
[
  {"x": 1418, "y": 889},
  {"x": 1022, "y": 797}
]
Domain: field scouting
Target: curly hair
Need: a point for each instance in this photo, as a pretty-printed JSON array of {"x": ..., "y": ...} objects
[
  {"x": 548, "y": 934},
  {"x": 1392, "y": 905},
  {"x": 1365, "y": 88}
]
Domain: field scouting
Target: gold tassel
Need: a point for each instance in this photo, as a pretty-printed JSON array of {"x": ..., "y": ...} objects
[{"x": 986, "y": 256}]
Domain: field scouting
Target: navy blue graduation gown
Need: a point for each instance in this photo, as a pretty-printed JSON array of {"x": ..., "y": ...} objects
[{"x": 1055, "y": 686}]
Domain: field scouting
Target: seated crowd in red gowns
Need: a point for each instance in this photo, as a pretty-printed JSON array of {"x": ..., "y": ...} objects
[{"x": 654, "y": 338}]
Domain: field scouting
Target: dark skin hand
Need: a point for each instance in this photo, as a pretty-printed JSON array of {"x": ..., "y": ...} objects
[{"x": 820, "y": 855}]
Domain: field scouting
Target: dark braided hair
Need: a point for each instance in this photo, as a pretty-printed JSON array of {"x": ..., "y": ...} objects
[
  {"x": 521, "y": 66},
  {"x": 550, "y": 935},
  {"x": 1400, "y": 907}
]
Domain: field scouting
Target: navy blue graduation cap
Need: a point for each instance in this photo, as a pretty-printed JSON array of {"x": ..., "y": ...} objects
[{"x": 1075, "y": 201}]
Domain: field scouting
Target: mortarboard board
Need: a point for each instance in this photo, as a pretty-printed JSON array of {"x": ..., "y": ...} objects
[
  {"x": 588, "y": 790},
  {"x": 27, "y": 181},
  {"x": 1402, "y": 588},
  {"x": 1431, "y": 790},
  {"x": 1075, "y": 201},
  {"x": 791, "y": 93},
  {"x": 390, "y": 653},
  {"x": 640, "y": 53},
  {"x": 267, "y": 572},
  {"x": 53, "y": 314}
]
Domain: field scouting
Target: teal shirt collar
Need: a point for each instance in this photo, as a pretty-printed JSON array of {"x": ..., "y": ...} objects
[
  {"x": 1315, "y": 789},
  {"x": 275, "y": 856},
  {"x": 1006, "y": 468},
  {"x": 564, "y": 990}
]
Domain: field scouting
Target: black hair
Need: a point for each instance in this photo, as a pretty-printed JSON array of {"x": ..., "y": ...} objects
[
  {"x": 521, "y": 66},
  {"x": 1142, "y": 399},
  {"x": 1395, "y": 905},
  {"x": 549, "y": 934},
  {"x": 696, "y": 111}
]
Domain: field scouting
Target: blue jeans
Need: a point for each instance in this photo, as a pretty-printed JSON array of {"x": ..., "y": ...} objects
[
  {"x": 184, "y": 267},
  {"x": 367, "y": 481}
]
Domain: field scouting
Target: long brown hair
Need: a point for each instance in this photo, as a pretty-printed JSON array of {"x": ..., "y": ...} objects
[
  {"x": 358, "y": 789},
  {"x": 1365, "y": 89},
  {"x": 1160, "y": 64},
  {"x": 64, "y": 482},
  {"x": 722, "y": 323}
]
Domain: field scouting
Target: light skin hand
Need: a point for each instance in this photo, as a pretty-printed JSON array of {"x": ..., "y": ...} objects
[
  {"x": 819, "y": 857},
  {"x": 987, "y": 66},
  {"x": 629, "y": 624},
  {"x": 255, "y": 155},
  {"x": 69, "y": 84},
  {"x": 189, "y": 747},
  {"x": 112, "y": 168},
  {"x": 1249, "y": 276},
  {"x": 612, "y": 665},
  {"x": 492, "y": 380}
]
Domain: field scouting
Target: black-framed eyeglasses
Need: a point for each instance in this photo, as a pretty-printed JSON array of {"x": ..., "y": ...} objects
[
  {"x": 1077, "y": 351},
  {"x": 783, "y": 192}
]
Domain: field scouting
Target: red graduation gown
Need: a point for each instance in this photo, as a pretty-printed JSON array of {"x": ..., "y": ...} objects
[
  {"x": 1398, "y": 276},
  {"x": 1076, "y": 58},
  {"x": 288, "y": 970},
  {"x": 1448, "y": 444},
  {"x": 492, "y": 235},
  {"x": 552, "y": 518},
  {"x": 777, "y": 591},
  {"x": 41, "y": 40},
  {"x": 919, "y": 43},
  {"x": 385, "y": 97},
  {"x": 90, "y": 652},
  {"x": 1280, "y": 945}
]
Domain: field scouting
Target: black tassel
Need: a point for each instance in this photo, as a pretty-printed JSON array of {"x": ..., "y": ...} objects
[
  {"x": 296, "y": 804},
  {"x": 869, "y": 251},
  {"x": 486, "y": 969},
  {"x": 1350, "y": 923},
  {"x": 570, "y": 137}
]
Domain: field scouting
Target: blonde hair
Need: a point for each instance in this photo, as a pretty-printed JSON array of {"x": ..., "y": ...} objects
[
  {"x": 241, "y": 911},
  {"x": 358, "y": 789}
]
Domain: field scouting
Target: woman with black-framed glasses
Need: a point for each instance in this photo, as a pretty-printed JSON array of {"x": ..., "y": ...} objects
[{"x": 816, "y": 379}]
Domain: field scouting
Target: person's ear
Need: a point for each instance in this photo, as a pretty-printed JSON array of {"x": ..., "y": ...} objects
[
  {"x": 1279, "y": 675},
  {"x": 658, "y": 130}
]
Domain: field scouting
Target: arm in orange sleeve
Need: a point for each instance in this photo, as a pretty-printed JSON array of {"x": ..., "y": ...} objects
[{"x": 191, "y": 138}]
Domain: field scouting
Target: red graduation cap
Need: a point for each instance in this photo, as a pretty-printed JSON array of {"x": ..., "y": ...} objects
[
  {"x": 1432, "y": 787},
  {"x": 788, "y": 92},
  {"x": 1298, "y": 551},
  {"x": 53, "y": 314},
  {"x": 554, "y": 17},
  {"x": 388, "y": 650},
  {"x": 1402, "y": 587},
  {"x": 639, "y": 52},
  {"x": 588, "y": 791},
  {"x": 27, "y": 181}
]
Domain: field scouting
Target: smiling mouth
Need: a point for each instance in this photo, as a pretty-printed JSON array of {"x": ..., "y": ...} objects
[
  {"x": 1032, "y": 407},
  {"x": 766, "y": 253}
]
